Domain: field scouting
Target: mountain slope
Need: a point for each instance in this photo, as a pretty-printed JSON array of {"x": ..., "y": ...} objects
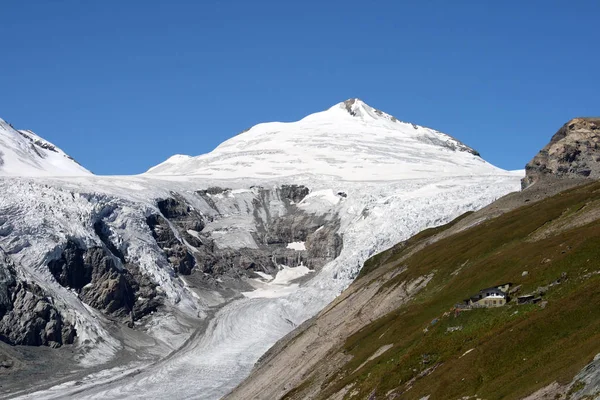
[
  {"x": 23, "y": 153},
  {"x": 395, "y": 332},
  {"x": 351, "y": 140}
]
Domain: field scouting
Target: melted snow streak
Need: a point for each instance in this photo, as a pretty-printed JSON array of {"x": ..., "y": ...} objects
[{"x": 374, "y": 216}]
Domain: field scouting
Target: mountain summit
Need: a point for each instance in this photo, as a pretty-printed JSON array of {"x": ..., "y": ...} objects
[
  {"x": 357, "y": 108},
  {"x": 23, "y": 153},
  {"x": 350, "y": 140}
]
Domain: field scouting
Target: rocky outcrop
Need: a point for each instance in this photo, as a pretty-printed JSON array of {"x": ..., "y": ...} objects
[
  {"x": 573, "y": 152},
  {"x": 175, "y": 250},
  {"x": 324, "y": 244},
  {"x": 295, "y": 193},
  {"x": 177, "y": 217},
  {"x": 120, "y": 291},
  {"x": 175, "y": 210},
  {"x": 179, "y": 230},
  {"x": 28, "y": 315}
]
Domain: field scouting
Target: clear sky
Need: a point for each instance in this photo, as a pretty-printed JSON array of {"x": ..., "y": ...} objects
[{"x": 123, "y": 85}]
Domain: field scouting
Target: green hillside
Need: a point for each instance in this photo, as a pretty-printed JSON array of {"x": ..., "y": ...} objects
[{"x": 550, "y": 248}]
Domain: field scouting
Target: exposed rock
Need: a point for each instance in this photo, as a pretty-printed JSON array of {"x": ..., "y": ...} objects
[
  {"x": 325, "y": 244},
  {"x": 38, "y": 142},
  {"x": 177, "y": 254},
  {"x": 69, "y": 270},
  {"x": 295, "y": 193},
  {"x": 103, "y": 284},
  {"x": 179, "y": 231},
  {"x": 290, "y": 228},
  {"x": 184, "y": 219},
  {"x": 213, "y": 190},
  {"x": 573, "y": 152},
  {"x": 28, "y": 315},
  {"x": 103, "y": 232},
  {"x": 178, "y": 211}
]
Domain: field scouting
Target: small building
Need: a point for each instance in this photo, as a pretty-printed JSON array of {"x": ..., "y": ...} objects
[{"x": 495, "y": 296}]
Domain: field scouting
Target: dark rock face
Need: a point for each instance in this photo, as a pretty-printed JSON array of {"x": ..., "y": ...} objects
[
  {"x": 290, "y": 228},
  {"x": 186, "y": 251},
  {"x": 324, "y": 245},
  {"x": 573, "y": 152},
  {"x": 295, "y": 193},
  {"x": 70, "y": 270},
  {"x": 183, "y": 215},
  {"x": 102, "y": 284},
  {"x": 103, "y": 231},
  {"x": 183, "y": 219},
  {"x": 177, "y": 254},
  {"x": 27, "y": 314}
]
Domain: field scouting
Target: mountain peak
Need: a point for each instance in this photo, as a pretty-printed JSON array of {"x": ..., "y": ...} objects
[
  {"x": 23, "y": 153},
  {"x": 350, "y": 140},
  {"x": 359, "y": 109}
]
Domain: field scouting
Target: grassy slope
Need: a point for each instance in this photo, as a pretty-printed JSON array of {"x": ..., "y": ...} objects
[{"x": 517, "y": 349}]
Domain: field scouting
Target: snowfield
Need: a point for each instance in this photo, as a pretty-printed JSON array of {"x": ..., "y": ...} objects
[
  {"x": 384, "y": 179},
  {"x": 351, "y": 140},
  {"x": 23, "y": 153}
]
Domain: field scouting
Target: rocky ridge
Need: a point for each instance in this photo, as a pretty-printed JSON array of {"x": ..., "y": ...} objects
[{"x": 573, "y": 152}]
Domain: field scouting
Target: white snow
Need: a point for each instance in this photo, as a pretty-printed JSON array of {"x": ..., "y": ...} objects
[
  {"x": 398, "y": 180},
  {"x": 288, "y": 274},
  {"x": 23, "y": 153},
  {"x": 173, "y": 160},
  {"x": 298, "y": 246},
  {"x": 266, "y": 277},
  {"x": 326, "y": 195},
  {"x": 369, "y": 145},
  {"x": 282, "y": 285}
]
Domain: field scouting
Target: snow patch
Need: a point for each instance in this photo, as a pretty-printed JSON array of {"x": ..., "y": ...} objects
[
  {"x": 266, "y": 277},
  {"x": 282, "y": 285},
  {"x": 326, "y": 195},
  {"x": 298, "y": 246}
]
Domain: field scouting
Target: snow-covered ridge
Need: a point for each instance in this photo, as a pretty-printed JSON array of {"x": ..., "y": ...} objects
[
  {"x": 350, "y": 140},
  {"x": 23, "y": 153},
  {"x": 173, "y": 160}
]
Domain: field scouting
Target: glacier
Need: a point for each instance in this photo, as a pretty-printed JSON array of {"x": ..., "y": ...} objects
[{"x": 381, "y": 179}]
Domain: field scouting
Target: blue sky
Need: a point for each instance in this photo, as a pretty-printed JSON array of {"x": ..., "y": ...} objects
[{"x": 123, "y": 85}]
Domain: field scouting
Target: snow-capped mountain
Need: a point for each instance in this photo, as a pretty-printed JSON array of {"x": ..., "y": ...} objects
[
  {"x": 212, "y": 259},
  {"x": 23, "y": 153},
  {"x": 350, "y": 140}
]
